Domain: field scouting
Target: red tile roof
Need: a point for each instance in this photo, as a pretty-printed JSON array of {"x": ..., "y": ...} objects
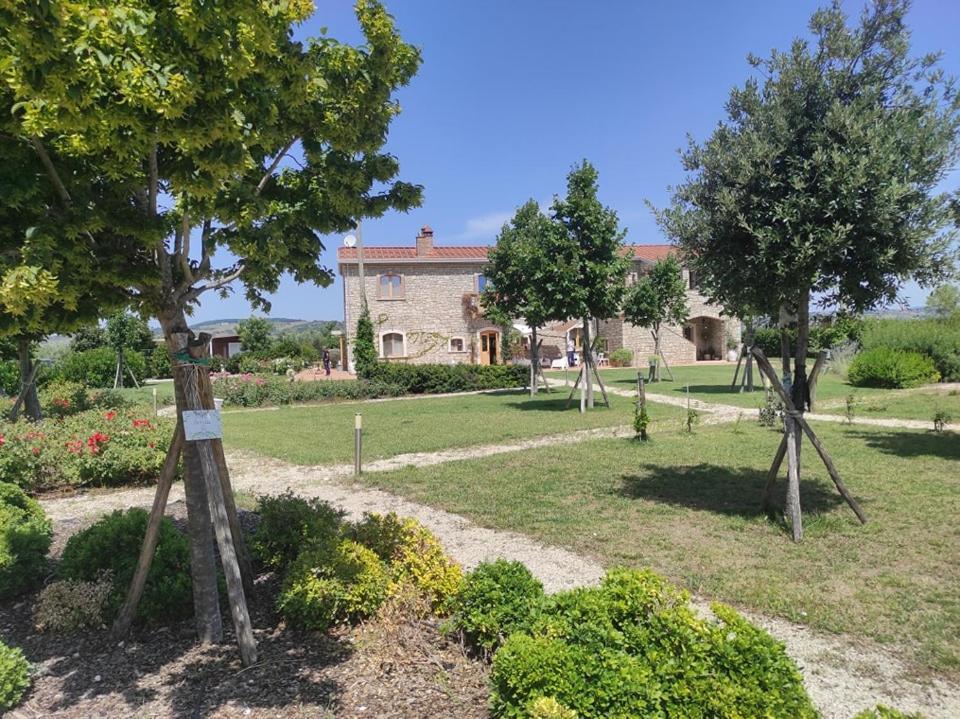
[{"x": 645, "y": 253}]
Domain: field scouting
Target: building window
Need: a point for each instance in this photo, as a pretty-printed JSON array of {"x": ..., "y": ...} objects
[
  {"x": 391, "y": 344},
  {"x": 694, "y": 280},
  {"x": 631, "y": 279},
  {"x": 390, "y": 287},
  {"x": 481, "y": 283},
  {"x": 456, "y": 344}
]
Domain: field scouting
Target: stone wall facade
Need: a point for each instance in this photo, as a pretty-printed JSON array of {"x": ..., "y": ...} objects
[{"x": 429, "y": 312}]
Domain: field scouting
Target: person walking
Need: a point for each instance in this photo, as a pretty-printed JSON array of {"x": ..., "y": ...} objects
[
  {"x": 326, "y": 362},
  {"x": 571, "y": 353}
]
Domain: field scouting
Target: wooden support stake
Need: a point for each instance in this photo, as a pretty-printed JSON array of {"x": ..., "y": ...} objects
[
  {"x": 818, "y": 368},
  {"x": 222, "y": 532},
  {"x": 24, "y": 391},
  {"x": 772, "y": 474},
  {"x": 129, "y": 609},
  {"x": 740, "y": 356},
  {"x": 764, "y": 364}
]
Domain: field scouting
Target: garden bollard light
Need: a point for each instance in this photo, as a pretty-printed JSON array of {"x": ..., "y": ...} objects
[
  {"x": 357, "y": 430},
  {"x": 154, "y": 401}
]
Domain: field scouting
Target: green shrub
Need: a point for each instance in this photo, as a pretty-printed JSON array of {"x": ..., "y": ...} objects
[
  {"x": 621, "y": 357},
  {"x": 98, "y": 367},
  {"x": 289, "y": 523},
  {"x": 113, "y": 545},
  {"x": 440, "y": 378},
  {"x": 160, "y": 364},
  {"x": 364, "y": 349},
  {"x": 14, "y": 676},
  {"x": 9, "y": 377},
  {"x": 413, "y": 554},
  {"x": 891, "y": 369},
  {"x": 330, "y": 585},
  {"x": 248, "y": 390},
  {"x": 634, "y": 647},
  {"x": 98, "y": 447},
  {"x": 25, "y": 535},
  {"x": 882, "y": 712},
  {"x": 937, "y": 339},
  {"x": 495, "y": 600},
  {"x": 70, "y": 605}
]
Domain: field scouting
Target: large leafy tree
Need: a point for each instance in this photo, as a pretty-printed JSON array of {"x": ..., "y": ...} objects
[
  {"x": 658, "y": 297},
  {"x": 520, "y": 266},
  {"x": 234, "y": 147},
  {"x": 591, "y": 263},
  {"x": 944, "y": 301},
  {"x": 821, "y": 185},
  {"x": 255, "y": 334}
]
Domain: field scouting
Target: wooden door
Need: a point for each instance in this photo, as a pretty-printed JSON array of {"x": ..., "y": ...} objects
[{"x": 488, "y": 347}]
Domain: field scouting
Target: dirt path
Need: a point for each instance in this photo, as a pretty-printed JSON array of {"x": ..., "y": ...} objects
[{"x": 843, "y": 674}]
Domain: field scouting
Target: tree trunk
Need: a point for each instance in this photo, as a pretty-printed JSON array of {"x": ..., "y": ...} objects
[
  {"x": 588, "y": 362},
  {"x": 792, "y": 430},
  {"x": 28, "y": 380},
  {"x": 203, "y": 567},
  {"x": 534, "y": 361},
  {"x": 656, "y": 352}
]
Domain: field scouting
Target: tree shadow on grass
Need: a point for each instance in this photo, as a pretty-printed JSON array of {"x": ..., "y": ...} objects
[
  {"x": 731, "y": 491},
  {"x": 556, "y": 403},
  {"x": 911, "y": 444}
]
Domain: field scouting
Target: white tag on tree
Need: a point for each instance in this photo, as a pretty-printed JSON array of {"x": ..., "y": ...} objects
[{"x": 201, "y": 424}]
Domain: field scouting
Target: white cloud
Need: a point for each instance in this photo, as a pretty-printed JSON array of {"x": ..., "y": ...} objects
[{"x": 484, "y": 227}]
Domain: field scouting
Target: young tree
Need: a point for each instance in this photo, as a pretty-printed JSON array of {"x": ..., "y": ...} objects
[
  {"x": 519, "y": 265},
  {"x": 944, "y": 301},
  {"x": 256, "y": 334},
  {"x": 658, "y": 297},
  {"x": 192, "y": 115},
  {"x": 822, "y": 183},
  {"x": 364, "y": 345},
  {"x": 591, "y": 261},
  {"x": 125, "y": 331}
]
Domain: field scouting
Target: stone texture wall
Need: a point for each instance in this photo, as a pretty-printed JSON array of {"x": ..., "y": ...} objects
[{"x": 430, "y": 314}]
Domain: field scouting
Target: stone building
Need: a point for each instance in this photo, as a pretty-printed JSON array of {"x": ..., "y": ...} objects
[{"x": 424, "y": 303}]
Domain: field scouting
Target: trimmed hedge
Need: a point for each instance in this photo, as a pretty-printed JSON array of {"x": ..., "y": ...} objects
[
  {"x": 937, "y": 339},
  {"x": 249, "y": 390},
  {"x": 441, "y": 378},
  {"x": 634, "y": 647},
  {"x": 112, "y": 546},
  {"x": 25, "y": 535},
  {"x": 289, "y": 523},
  {"x": 891, "y": 369}
]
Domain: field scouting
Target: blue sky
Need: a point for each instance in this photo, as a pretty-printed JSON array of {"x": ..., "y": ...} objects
[{"x": 512, "y": 93}]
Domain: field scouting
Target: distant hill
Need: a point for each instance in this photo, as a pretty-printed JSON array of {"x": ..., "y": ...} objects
[{"x": 281, "y": 325}]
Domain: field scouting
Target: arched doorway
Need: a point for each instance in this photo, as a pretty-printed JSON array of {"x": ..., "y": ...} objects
[{"x": 706, "y": 334}]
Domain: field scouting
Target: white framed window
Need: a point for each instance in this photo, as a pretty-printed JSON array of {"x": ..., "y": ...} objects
[
  {"x": 393, "y": 344},
  {"x": 390, "y": 286},
  {"x": 457, "y": 345}
]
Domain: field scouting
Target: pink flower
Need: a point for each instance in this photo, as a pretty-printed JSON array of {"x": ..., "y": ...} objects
[
  {"x": 95, "y": 440},
  {"x": 75, "y": 447},
  {"x": 2, "y": 439},
  {"x": 36, "y": 451},
  {"x": 137, "y": 423},
  {"x": 110, "y": 416}
]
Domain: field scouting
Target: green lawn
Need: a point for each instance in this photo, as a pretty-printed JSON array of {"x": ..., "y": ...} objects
[
  {"x": 902, "y": 404},
  {"x": 323, "y": 434},
  {"x": 144, "y": 393},
  {"x": 688, "y": 506},
  {"x": 711, "y": 383}
]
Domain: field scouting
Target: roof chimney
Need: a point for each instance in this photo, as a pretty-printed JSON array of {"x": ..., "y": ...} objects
[{"x": 424, "y": 241}]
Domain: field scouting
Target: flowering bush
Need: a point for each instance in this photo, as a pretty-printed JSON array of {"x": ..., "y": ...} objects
[{"x": 91, "y": 448}]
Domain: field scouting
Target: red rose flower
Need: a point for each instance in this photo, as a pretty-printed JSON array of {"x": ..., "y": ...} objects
[
  {"x": 111, "y": 415},
  {"x": 137, "y": 423}
]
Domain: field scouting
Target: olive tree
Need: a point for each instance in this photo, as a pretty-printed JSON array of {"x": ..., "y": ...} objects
[
  {"x": 658, "y": 297},
  {"x": 821, "y": 186}
]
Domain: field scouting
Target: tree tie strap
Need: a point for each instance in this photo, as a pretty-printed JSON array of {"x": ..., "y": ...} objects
[{"x": 183, "y": 357}]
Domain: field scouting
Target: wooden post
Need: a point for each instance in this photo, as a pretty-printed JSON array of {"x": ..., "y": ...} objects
[
  {"x": 740, "y": 355},
  {"x": 764, "y": 364},
  {"x": 588, "y": 362},
  {"x": 129, "y": 609},
  {"x": 767, "y": 503},
  {"x": 818, "y": 368},
  {"x": 24, "y": 392},
  {"x": 221, "y": 528}
]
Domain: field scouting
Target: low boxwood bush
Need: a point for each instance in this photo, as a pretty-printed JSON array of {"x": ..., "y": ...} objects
[
  {"x": 439, "y": 378},
  {"x": 413, "y": 555},
  {"x": 249, "y": 390},
  {"x": 548, "y": 708},
  {"x": 937, "y": 339},
  {"x": 289, "y": 523},
  {"x": 14, "y": 676},
  {"x": 25, "y": 535},
  {"x": 634, "y": 647},
  {"x": 891, "y": 369},
  {"x": 325, "y": 587},
  {"x": 883, "y": 712},
  {"x": 112, "y": 545},
  {"x": 495, "y": 600},
  {"x": 70, "y": 605},
  {"x": 98, "y": 447}
]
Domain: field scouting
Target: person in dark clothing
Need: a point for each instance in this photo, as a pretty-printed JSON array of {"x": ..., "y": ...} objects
[{"x": 326, "y": 362}]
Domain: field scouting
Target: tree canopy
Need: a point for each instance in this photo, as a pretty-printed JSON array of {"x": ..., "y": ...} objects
[
  {"x": 255, "y": 334},
  {"x": 944, "y": 301},
  {"x": 658, "y": 297},
  {"x": 823, "y": 179}
]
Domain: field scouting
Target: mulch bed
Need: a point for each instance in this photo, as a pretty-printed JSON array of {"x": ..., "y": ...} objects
[{"x": 392, "y": 667}]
